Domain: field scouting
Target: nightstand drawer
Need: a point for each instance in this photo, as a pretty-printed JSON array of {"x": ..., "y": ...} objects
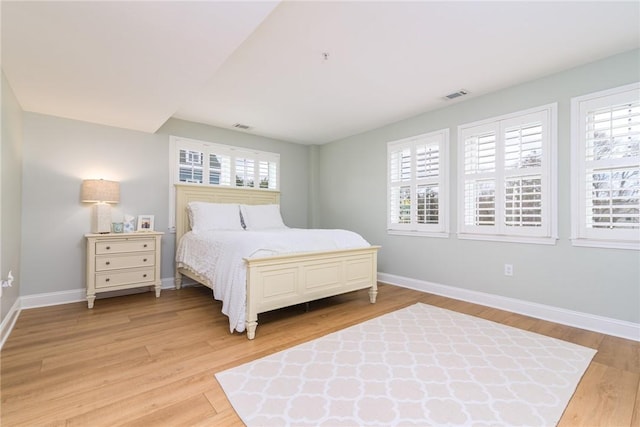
[
  {"x": 114, "y": 262},
  {"x": 119, "y": 246},
  {"x": 139, "y": 275}
]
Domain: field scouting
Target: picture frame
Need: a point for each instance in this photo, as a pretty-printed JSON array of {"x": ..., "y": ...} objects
[
  {"x": 145, "y": 223},
  {"x": 130, "y": 224}
]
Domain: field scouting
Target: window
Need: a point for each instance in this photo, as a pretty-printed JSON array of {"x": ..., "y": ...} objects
[
  {"x": 418, "y": 185},
  {"x": 507, "y": 178},
  {"x": 205, "y": 163},
  {"x": 605, "y": 147}
]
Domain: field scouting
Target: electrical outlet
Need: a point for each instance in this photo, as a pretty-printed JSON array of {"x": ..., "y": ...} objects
[
  {"x": 508, "y": 270},
  {"x": 6, "y": 283}
]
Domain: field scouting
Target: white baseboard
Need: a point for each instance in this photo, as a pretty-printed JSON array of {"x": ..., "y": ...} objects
[
  {"x": 591, "y": 322},
  {"x": 9, "y": 322},
  {"x": 77, "y": 295},
  {"x": 53, "y": 298}
]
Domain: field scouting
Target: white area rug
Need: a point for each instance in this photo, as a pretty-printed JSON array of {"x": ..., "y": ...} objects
[{"x": 421, "y": 366}]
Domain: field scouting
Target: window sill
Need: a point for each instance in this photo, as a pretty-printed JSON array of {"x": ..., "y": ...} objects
[
  {"x": 509, "y": 239},
  {"x": 416, "y": 233},
  {"x": 605, "y": 244}
]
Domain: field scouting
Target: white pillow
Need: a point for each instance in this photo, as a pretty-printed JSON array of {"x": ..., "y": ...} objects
[
  {"x": 213, "y": 216},
  {"x": 261, "y": 217}
]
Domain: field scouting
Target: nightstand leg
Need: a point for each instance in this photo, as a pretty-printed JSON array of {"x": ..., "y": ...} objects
[
  {"x": 90, "y": 300},
  {"x": 158, "y": 289}
]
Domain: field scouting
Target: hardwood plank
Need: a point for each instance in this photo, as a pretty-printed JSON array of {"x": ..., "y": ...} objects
[
  {"x": 635, "y": 420},
  {"x": 567, "y": 333},
  {"x": 139, "y": 360},
  {"x": 155, "y": 404},
  {"x": 183, "y": 413},
  {"x": 63, "y": 391},
  {"x": 605, "y": 396},
  {"x": 619, "y": 353}
]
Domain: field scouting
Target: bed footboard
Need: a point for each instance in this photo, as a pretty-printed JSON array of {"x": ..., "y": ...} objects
[{"x": 281, "y": 281}]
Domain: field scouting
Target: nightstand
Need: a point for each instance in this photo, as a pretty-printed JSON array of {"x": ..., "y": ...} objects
[{"x": 122, "y": 261}]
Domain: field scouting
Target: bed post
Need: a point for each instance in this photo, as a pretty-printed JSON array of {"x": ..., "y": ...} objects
[
  {"x": 251, "y": 328},
  {"x": 373, "y": 292},
  {"x": 177, "y": 280}
]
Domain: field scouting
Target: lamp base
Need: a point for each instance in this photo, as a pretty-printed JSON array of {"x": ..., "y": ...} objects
[{"x": 101, "y": 218}]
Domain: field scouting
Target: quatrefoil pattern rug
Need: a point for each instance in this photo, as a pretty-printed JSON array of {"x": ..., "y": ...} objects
[{"x": 420, "y": 366}]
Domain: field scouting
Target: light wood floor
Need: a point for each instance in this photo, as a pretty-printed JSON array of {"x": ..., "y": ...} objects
[{"x": 138, "y": 360}]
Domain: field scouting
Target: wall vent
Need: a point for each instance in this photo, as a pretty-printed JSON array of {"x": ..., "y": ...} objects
[
  {"x": 241, "y": 126},
  {"x": 457, "y": 94}
]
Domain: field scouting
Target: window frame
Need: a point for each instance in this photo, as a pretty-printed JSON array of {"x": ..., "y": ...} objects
[
  {"x": 547, "y": 232},
  {"x": 441, "y": 229},
  {"x": 233, "y": 153},
  {"x": 581, "y": 235}
]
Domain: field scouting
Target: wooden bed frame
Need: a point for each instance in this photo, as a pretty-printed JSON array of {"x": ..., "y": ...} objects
[{"x": 280, "y": 281}]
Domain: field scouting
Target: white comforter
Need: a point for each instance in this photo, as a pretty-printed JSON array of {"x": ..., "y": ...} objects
[{"x": 218, "y": 256}]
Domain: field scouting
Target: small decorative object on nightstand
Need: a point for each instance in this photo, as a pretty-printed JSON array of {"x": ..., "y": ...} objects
[{"x": 122, "y": 261}]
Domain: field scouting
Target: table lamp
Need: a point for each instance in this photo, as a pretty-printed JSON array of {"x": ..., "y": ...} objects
[{"x": 100, "y": 192}]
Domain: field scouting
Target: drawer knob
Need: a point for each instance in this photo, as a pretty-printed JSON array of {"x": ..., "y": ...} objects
[
  {"x": 144, "y": 275},
  {"x": 145, "y": 245},
  {"x": 108, "y": 247},
  {"x": 144, "y": 260},
  {"x": 108, "y": 262},
  {"x": 107, "y": 279}
]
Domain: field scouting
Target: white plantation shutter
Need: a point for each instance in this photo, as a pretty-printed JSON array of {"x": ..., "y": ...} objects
[
  {"x": 190, "y": 166},
  {"x": 245, "y": 172},
  {"x": 525, "y": 182},
  {"x": 612, "y": 199},
  {"x": 427, "y": 204},
  {"x": 480, "y": 152},
  {"x": 427, "y": 179},
  {"x": 219, "y": 169},
  {"x": 479, "y": 178},
  {"x": 417, "y": 184},
  {"x": 400, "y": 194},
  {"x": 606, "y": 154},
  {"x": 401, "y": 205},
  {"x": 427, "y": 160},
  {"x": 268, "y": 174},
  {"x": 523, "y": 201},
  {"x": 480, "y": 203},
  {"x": 507, "y": 178}
]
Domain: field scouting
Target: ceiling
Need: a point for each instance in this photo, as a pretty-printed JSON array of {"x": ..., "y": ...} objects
[{"x": 301, "y": 71}]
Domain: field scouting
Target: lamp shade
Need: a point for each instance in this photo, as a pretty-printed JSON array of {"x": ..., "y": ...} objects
[{"x": 100, "y": 190}]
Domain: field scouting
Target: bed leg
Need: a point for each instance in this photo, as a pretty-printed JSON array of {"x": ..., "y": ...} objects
[
  {"x": 178, "y": 280},
  {"x": 373, "y": 293},
  {"x": 251, "y": 329}
]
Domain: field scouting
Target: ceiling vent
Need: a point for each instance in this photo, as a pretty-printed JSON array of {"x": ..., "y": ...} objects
[
  {"x": 457, "y": 94},
  {"x": 241, "y": 126}
]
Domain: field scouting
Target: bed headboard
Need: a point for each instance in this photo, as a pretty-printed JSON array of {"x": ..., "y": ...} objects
[{"x": 196, "y": 193}]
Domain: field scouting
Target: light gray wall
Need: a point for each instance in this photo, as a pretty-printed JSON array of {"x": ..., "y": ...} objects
[
  {"x": 352, "y": 194},
  {"x": 10, "y": 193},
  {"x": 60, "y": 153}
]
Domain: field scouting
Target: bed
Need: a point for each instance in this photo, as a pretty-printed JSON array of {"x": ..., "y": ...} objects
[{"x": 279, "y": 281}]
